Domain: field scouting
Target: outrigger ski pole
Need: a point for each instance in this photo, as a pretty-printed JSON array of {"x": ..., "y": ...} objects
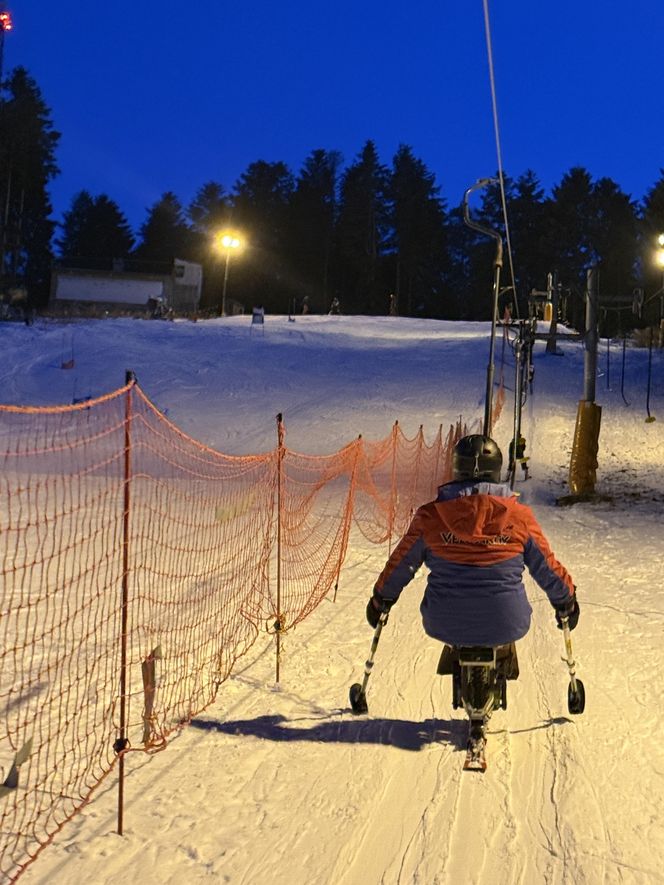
[
  {"x": 576, "y": 693},
  {"x": 358, "y": 693}
]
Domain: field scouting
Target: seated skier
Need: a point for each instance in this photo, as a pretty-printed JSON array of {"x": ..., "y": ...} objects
[{"x": 476, "y": 538}]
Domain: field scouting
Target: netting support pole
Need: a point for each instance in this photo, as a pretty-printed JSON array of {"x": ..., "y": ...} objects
[
  {"x": 393, "y": 487},
  {"x": 280, "y": 480},
  {"x": 437, "y": 479},
  {"x": 414, "y": 503},
  {"x": 350, "y": 507},
  {"x": 121, "y": 743}
]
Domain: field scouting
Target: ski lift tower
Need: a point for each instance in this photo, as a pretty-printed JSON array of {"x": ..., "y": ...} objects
[{"x": 5, "y": 25}]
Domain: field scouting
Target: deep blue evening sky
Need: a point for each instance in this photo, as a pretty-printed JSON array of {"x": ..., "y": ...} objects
[{"x": 153, "y": 96}]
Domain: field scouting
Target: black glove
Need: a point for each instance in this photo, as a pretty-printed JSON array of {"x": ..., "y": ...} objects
[
  {"x": 569, "y": 610},
  {"x": 375, "y": 608}
]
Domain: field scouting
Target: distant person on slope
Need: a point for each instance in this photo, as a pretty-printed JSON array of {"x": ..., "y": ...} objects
[{"x": 475, "y": 538}]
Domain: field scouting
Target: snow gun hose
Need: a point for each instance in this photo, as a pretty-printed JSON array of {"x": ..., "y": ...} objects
[
  {"x": 358, "y": 693},
  {"x": 576, "y": 694}
]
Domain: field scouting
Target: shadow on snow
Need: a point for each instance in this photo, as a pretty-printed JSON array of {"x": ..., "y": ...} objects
[{"x": 401, "y": 733}]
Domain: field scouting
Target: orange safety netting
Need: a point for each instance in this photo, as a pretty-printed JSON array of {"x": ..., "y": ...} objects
[{"x": 138, "y": 565}]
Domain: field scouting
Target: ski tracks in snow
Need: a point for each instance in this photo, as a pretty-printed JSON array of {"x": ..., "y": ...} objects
[
  {"x": 392, "y": 843},
  {"x": 561, "y": 776},
  {"x": 420, "y": 818},
  {"x": 484, "y": 829}
]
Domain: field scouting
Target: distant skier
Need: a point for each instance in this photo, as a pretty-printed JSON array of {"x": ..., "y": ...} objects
[
  {"x": 475, "y": 538},
  {"x": 335, "y": 307}
]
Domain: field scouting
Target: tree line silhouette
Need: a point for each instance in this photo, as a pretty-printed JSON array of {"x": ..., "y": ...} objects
[{"x": 371, "y": 235}]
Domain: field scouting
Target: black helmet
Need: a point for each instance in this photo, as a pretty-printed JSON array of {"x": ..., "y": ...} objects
[{"x": 477, "y": 457}]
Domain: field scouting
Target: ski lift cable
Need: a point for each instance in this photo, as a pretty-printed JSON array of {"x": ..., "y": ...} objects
[{"x": 501, "y": 178}]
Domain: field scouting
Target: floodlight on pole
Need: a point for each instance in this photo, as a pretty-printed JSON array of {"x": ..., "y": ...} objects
[
  {"x": 5, "y": 25},
  {"x": 659, "y": 254},
  {"x": 659, "y": 261},
  {"x": 227, "y": 243}
]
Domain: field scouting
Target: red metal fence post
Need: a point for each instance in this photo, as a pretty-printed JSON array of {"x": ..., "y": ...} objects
[
  {"x": 121, "y": 743},
  {"x": 280, "y": 479}
]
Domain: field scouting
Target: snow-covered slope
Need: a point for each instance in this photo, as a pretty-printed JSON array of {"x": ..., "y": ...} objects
[{"x": 281, "y": 783}]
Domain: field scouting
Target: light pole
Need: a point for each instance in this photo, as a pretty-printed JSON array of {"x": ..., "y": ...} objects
[
  {"x": 659, "y": 259},
  {"x": 659, "y": 256},
  {"x": 5, "y": 25},
  {"x": 227, "y": 243}
]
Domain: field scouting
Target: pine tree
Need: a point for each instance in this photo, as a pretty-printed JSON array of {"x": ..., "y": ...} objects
[
  {"x": 261, "y": 203},
  {"x": 614, "y": 236},
  {"x": 569, "y": 237},
  {"x": 362, "y": 230},
  {"x": 653, "y": 208},
  {"x": 210, "y": 212},
  {"x": 570, "y": 234},
  {"x": 417, "y": 237},
  {"x": 27, "y": 164},
  {"x": 651, "y": 227},
  {"x": 94, "y": 231},
  {"x": 165, "y": 234},
  {"x": 313, "y": 210},
  {"x": 528, "y": 219}
]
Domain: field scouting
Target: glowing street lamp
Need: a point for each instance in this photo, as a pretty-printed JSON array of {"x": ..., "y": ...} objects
[
  {"x": 659, "y": 254},
  {"x": 227, "y": 243},
  {"x": 659, "y": 260}
]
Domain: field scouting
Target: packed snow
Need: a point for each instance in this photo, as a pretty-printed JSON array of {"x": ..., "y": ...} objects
[{"x": 281, "y": 783}]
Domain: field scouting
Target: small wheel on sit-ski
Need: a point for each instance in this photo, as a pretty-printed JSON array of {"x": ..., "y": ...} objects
[{"x": 576, "y": 700}]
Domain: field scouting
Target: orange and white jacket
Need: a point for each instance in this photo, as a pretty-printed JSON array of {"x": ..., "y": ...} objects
[{"x": 476, "y": 539}]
